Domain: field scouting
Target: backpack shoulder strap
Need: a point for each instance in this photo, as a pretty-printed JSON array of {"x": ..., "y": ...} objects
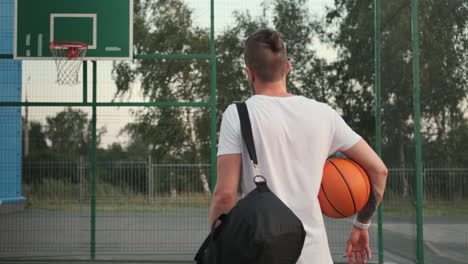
[{"x": 246, "y": 130}]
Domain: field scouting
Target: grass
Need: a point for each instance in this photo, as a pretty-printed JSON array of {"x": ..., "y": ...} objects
[
  {"x": 56, "y": 195},
  {"x": 120, "y": 205},
  {"x": 75, "y": 206},
  {"x": 427, "y": 211},
  {"x": 430, "y": 208}
]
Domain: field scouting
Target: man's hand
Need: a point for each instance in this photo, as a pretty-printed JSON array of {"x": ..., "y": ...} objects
[{"x": 357, "y": 248}]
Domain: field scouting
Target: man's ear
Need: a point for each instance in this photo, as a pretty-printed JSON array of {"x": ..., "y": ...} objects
[
  {"x": 288, "y": 67},
  {"x": 250, "y": 74}
]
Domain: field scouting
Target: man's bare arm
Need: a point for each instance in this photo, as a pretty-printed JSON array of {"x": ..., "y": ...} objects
[
  {"x": 225, "y": 192},
  {"x": 363, "y": 154}
]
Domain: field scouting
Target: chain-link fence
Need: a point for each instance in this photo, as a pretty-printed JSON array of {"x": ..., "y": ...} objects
[
  {"x": 120, "y": 166},
  {"x": 423, "y": 47},
  {"x": 152, "y": 192},
  {"x": 143, "y": 209}
]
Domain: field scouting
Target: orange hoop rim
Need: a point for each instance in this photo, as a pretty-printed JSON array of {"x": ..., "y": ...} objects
[{"x": 67, "y": 44}]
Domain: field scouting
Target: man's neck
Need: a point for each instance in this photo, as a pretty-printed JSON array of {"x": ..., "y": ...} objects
[{"x": 275, "y": 89}]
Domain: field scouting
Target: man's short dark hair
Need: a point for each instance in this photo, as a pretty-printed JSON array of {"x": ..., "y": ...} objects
[{"x": 265, "y": 55}]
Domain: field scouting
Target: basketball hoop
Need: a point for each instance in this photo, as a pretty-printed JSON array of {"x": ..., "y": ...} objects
[{"x": 68, "y": 57}]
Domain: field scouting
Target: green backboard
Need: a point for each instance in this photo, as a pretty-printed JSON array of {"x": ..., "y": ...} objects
[{"x": 105, "y": 25}]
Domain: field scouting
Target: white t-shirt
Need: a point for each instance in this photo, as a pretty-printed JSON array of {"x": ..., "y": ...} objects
[{"x": 293, "y": 138}]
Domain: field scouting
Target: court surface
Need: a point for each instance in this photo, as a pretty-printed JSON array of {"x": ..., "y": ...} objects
[{"x": 175, "y": 234}]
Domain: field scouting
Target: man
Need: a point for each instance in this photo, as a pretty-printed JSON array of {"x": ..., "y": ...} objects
[{"x": 293, "y": 137}]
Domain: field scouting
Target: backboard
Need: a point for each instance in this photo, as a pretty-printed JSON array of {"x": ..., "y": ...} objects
[{"x": 105, "y": 25}]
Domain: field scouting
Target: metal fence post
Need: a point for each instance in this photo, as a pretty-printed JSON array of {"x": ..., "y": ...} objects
[
  {"x": 81, "y": 175},
  {"x": 150, "y": 180},
  {"x": 417, "y": 132},
  {"x": 378, "y": 113},
  {"x": 213, "y": 97},
  {"x": 93, "y": 167},
  {"x": 85, "y": 81},
  {"x": 154, "y": 168}
]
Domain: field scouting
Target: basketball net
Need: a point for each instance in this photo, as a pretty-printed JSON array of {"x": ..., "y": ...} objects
[{"x": 68, "y": 58}]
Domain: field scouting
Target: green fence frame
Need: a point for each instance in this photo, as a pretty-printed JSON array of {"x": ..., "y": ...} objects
[
  {"x": 212, "y": 105},
  {"x": 378, "y": 112},
  {"x": 417, "y": 123},
  {"x": 417, "y": 133}
]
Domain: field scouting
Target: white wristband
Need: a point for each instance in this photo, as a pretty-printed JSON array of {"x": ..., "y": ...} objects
[{"x": 360, "y": 225}]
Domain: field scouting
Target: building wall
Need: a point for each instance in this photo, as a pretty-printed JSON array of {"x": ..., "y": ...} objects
[{"x": 10, "y": 117}]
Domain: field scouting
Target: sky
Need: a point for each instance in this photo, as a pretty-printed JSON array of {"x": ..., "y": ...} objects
[{"x": 39, "y": 76}]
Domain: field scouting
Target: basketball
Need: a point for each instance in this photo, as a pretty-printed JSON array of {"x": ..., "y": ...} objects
[{"x": 345, "y": 188}]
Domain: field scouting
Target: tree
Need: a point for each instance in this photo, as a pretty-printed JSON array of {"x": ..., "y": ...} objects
[
  {"x": 69, "y": 133},
  {"x": 299, "y": 29},
  {"x": 165, "y": 26},
  {"x": 164, "y": 138},
  {"x": 231, "y": 78},
  {"x": 113, "y": 152},
  {"x": 37, "y": 140},
  {"x": 443, "y": 69},
  {"x": 170, "y": 134}
]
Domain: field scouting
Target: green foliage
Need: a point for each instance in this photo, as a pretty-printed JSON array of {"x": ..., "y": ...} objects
[
  {"x": 231, "y": 78},
  {"x": 57, "y": 148},
  {"x": 159, "y": 132},
  {"x": 294, "y": 21},
  {"x": 346, "y": 83},
  {"x": 183, "y": 134},
  {"x": 69, "y": 133},
  {"x": 64, "y": 136},
  {"x": 443, "y": 45},
  {"x": 114, "y": 151},
  {"x": 166, "y": 26},
  {"x": 298, "y": 27},
  {"x": 37, "y": 140},
  {"x": 174, "y": 135},
  {"x": 452, "y": 151}
]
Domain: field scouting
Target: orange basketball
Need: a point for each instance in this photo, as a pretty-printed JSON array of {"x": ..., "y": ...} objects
[{"x": 345, "y": 188}]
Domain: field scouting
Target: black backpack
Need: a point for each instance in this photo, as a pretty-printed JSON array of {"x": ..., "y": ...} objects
[{"x": 260, "y": 229}]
